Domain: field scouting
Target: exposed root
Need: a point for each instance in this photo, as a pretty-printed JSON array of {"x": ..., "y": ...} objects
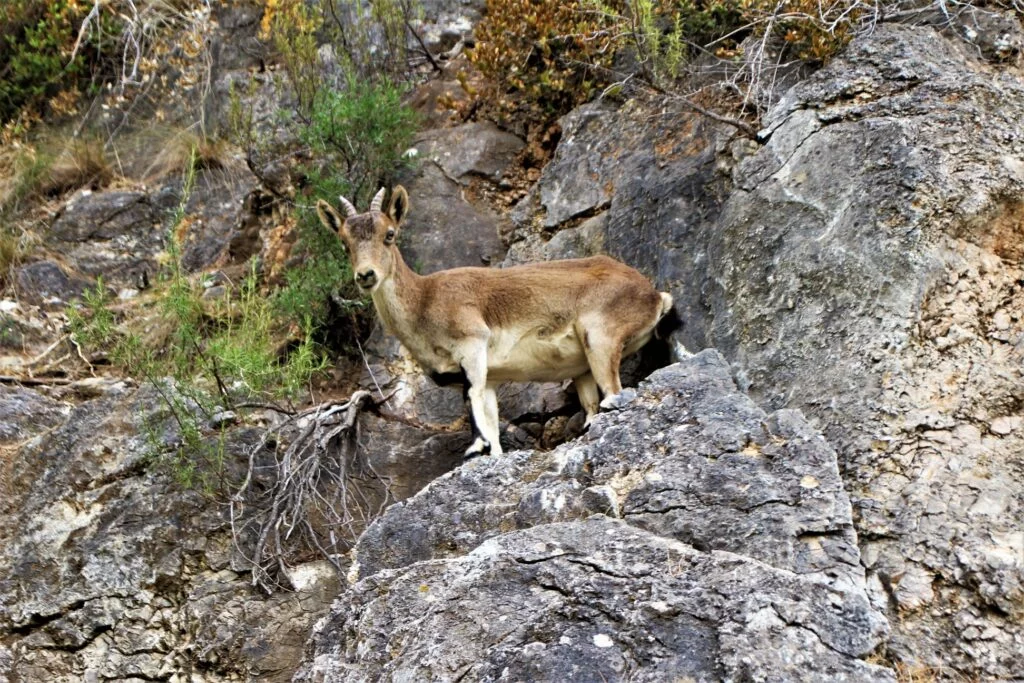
[{"x": 316, "y": 495}]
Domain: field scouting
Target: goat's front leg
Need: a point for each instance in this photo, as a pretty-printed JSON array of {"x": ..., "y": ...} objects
[
  {"x": 491, "y": 407},
  {"x": 482, "y": 399}
]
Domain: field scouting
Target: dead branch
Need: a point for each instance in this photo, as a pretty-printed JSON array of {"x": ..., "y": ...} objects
[
  {"x": 318, "y": 494},
  {"x": 736, "y": 123},
  {"x": 34, "y": 381}
]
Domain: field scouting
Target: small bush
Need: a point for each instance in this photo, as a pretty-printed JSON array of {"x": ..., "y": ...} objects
[
  {"x": 92, "y": 322},
  {"x": 37, "y": 38},
  {"x": 554, "y": 54},
  {"x": 324, "y": 272},
  {"x": 360, "y": 134},
  {"x": 208, "y": 357},
  {"x": 358, "y": 137}
]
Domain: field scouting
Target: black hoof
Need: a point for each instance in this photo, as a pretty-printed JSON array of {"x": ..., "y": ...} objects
[{"x": 480, "y": 446}]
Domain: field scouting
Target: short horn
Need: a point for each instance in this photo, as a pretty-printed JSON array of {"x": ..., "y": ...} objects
[
  {"x": 378, "y": 200},
  {"x": 349, "y": 209}
]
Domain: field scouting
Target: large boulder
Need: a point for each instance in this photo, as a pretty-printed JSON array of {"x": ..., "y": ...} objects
[
  {"x": 596, "y": 599},
  {"x": 450, "y": 224},
  {"x": 115, "y": 234},
  {"x": 691, "y": 516},
  {"x": 47, "y": 282},
  {"x": 868, "y": 270},
  {"x": 121, "y": 234},
  {"x": 863, "y": 264}
]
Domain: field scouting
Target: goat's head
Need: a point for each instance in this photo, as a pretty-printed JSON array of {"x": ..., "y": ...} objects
[{"x": 370, "y": 237}]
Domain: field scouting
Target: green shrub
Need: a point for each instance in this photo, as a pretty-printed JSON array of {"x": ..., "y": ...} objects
[
  {"x": 553, "y": 54},
  {"x": 360, "y": 135},
  {"x": 92, "y": 322},
  {"x": 324, "y": 272},
  {"x": 37, "y": 38},
  {"x": 212, "y": 356}
]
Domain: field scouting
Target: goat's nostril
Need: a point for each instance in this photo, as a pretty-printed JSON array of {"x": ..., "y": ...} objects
[{"x": 367, "y": 277}]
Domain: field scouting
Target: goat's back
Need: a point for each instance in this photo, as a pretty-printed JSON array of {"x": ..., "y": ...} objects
[{"x": 553, "y": 291}]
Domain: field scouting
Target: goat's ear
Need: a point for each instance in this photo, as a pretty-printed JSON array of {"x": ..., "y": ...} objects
[
  {"x": 399, "y": 207},
  {"x": 329, "y": 217}
]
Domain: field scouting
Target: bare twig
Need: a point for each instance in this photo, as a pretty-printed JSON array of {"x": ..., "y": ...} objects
[
  {"x": 48, "y": 351},
  {"x": 423, "y": 46},
  {"x": 78, "y": 348},
  {"x": 736, "y": 123},
  {"x": 92, "y": 16},
  {"x": 317, "y": 495},
  {"x": 34, "y": 381}
]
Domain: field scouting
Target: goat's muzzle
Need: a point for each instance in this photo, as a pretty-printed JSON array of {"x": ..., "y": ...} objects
[{"x": 366, "y": 279}]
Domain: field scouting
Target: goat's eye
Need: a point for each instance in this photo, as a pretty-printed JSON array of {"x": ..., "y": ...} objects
[{"x": 390, "y": 237}]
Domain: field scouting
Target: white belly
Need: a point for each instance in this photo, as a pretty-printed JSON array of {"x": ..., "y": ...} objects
[{"x": 529, "y": 354}]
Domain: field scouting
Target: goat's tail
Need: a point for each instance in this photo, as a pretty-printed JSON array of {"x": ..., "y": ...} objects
[{"x": 669, "y": 319}]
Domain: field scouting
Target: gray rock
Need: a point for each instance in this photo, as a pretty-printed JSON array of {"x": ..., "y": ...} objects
[
  {"x": 115, "y": 234},
  {"x": 120, "y": 234},
  {"x": 443, "y": 23},
  {"x": 864, "y": 266},
  {"x": 472, "y": 149},
  {"x": 586, "y": 239},
  {"x": 691, "y": 459},
  {"x": 237, "y": 46},
  {"x": 103, "y": 216},
  {"x": 444, "y": 229},
  {"x": 110, "y": 570},
  {"x": 25, "y": 413},
  {"x": 796, "y": 291},
  {"x": 734, "y": 556},
  {"x": 411, "y": 455},
  {"x": 593, "y": 600},
  {"x": 45, "y": 281},
  {"x": 223, "y": 224}
]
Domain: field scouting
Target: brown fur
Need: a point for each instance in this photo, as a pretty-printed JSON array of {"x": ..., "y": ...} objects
[{"x": 572, "y": 319}]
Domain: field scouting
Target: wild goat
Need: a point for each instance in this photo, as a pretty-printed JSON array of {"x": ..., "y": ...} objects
[{"x": 547, "y": 322}]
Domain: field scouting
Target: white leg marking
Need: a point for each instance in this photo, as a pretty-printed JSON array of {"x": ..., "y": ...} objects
[
  {"x": 493, "y": 424},
  {"x": 474, "y": 362},
  {"x": 620, "y": 400}
]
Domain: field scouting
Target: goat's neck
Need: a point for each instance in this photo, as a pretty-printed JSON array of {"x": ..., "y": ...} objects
[{"x": 397, "y": 300}]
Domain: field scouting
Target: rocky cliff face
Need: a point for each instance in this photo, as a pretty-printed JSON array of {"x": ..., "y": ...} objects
[
  {"x": 688, "y": 535},
  {"x": 834, "y": 492},
  {"x": 862, "y": 265}
]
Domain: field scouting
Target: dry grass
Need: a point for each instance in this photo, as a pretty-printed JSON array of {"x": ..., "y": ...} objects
[
  {"x": 918, "y": 672},
  {"x": 11, "y": 251},
  {"x": 49, "y": 168},
  {"x": 81, "y": 163},
  {"x": 179, "y": 149},
  {"x": 34, "y": 172}
]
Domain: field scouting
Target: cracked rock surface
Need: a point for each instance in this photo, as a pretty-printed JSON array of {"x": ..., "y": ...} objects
[
  {"x": 112, "y": 571},
  {"x": 689, "y": 533},
  {"x": 862, "y": 264}
]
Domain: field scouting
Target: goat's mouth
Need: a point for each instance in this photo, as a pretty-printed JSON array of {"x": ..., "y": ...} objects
[{"x": 368, "y": 288}]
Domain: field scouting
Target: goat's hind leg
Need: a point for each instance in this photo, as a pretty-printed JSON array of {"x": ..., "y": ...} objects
[
  {"x": 604, "y": 355},
  {"x": 586, "y": 389}
]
